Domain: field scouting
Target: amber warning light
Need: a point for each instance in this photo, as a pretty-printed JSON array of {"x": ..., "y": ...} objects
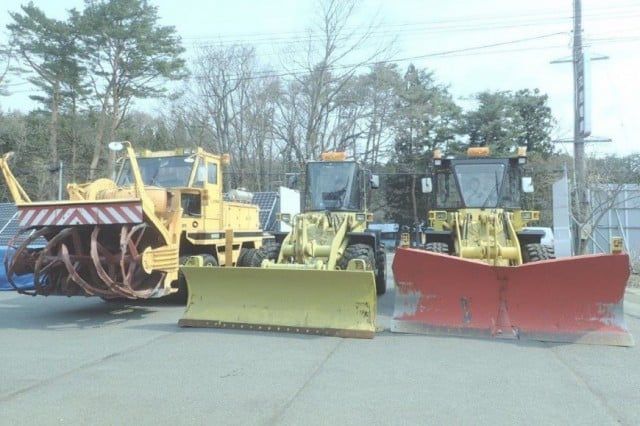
[{"x": 334, "y": 156}]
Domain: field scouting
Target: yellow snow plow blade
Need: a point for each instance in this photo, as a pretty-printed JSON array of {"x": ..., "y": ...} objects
[{"x": 329, "y": 303}]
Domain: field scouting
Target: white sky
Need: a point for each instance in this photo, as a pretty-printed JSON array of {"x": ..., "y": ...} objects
[{"x": 427, "y": 29}]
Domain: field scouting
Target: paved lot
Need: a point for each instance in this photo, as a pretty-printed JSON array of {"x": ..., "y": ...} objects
[{"x": 83, "y": 361}]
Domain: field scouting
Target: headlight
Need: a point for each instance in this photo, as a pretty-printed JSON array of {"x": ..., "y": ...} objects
[
  {"x": 525, "y": 215},
  {"x": 361, "y": 217}
]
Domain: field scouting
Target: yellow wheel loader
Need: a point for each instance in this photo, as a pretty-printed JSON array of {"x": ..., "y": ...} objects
[
  {"x": 481, "y": 273},
  {"x": 321, "y": 277},
  {"x": 126, "y": 238},
  {"x": 477, "y": 212}
]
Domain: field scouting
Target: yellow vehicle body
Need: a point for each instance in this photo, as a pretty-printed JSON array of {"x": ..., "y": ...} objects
[
  {"x": 489, "y": 235},
  {"x": 321, "y": 277},
  {"x": 127, "y": 238}
]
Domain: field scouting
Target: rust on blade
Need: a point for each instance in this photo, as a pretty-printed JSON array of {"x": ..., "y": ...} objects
[{"x": 578, "y": 299}]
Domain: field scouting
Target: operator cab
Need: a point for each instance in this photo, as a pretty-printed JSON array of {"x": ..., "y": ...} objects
[
  {"x": 187, "y": 178},
  {"x": 484, "y": 183},
  {"x": 333, "y": 186}
]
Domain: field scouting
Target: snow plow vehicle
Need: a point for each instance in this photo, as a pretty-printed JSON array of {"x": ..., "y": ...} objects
[
  {"x": 126, "y": 238},
  {"x": 481, "y": 273},
  {"x": 321, "y": 277}
]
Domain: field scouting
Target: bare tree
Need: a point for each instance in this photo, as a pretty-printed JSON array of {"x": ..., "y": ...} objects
[
  {"x": 234, "y": 100},
  {"x": 262, "y": 101},
  {"x": 335, "y": 51}
]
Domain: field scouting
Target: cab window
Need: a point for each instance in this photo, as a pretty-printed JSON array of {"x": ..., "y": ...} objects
[
  {"x": 201, "y": 175},
  {"x": 212, "y": 173}
]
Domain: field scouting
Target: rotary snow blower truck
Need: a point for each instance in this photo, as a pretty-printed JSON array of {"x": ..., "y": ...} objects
[
  {"x": 127, "y": 238},
  {"x": 320, "y": 278},
  {"x": 481, "y": 273}
]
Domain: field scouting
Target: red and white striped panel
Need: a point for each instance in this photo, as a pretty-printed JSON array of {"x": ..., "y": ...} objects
[{"x": 87, "y": 214}]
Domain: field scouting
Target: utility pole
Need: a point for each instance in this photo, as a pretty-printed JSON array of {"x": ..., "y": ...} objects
[
  {"x": 582, "y": 115},
  {"x": 582, "y": 126}
]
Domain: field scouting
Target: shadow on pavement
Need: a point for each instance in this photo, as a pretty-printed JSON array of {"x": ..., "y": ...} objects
[{"x": 26, "y": 312}]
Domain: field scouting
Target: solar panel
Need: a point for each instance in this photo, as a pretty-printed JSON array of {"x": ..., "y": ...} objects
[
  {"x": 268, "y": 204},
  {"x": 9, "y": 226},
  {"x": 8, "y": 222}
]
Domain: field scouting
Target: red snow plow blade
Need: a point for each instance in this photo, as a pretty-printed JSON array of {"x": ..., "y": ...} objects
[{"x": 577, "y": 300}]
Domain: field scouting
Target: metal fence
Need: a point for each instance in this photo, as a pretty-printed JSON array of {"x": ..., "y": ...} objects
[{"x": 616, "y": 214}]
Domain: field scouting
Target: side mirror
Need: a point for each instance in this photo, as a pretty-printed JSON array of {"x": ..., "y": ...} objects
[
  {"x": 427, "y": 185},
  {"x": 527, "y": 184},
  {"x": 375, "y": 181},
  {"x": 291, "y": 180}
]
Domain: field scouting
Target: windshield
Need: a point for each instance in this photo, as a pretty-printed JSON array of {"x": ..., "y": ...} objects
[
  {"x": 165, "y": 172},
  {"x": 480, "y": 184},
  {"x": 477, "y": 185},
  {"x": 332, "y": 186}
]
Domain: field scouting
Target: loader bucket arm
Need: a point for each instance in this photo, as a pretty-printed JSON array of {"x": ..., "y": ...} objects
[
  {"x": 18, "y": 194},
  {"x": 339, "y": 242},
  {"x": 135, "y": 167},
  {"x": 164, "y": 257},
  {"x": 147, "y": 204},
  {"x": 316, "y": 235},
  {"x": 513, "y": 238},
  {"x": 488, "y": 236}
]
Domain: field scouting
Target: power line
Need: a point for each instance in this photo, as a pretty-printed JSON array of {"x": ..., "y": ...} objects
[
  {"x": 469, "y": 51},
  {"x": 459, "y": 24},
  {"x": 271, "y": 74},
  {"x": 486, "y": 46}
]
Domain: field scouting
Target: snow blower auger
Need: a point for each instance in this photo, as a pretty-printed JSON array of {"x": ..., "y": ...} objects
[
  {"x": 88, "y": 250},
  {"x": 320, "y": 278},
  {"x": 127, "y": 238},
  {"x": 480, "y": 273}
]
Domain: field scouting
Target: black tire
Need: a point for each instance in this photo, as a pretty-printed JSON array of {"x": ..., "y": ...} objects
[
  {"x": 437, "y": 247},
  {"x": 182, "y": 295},
  {"x": 358, "y": 251},
  {"x": 269, "y": 251},
  {"x": 381, "y": 271},
  {"x": 209, "y": 260},
  {"x": 551, "y": 251},
  {"x": 245, "y": 256},
  {"x": 537, "y": 252}
]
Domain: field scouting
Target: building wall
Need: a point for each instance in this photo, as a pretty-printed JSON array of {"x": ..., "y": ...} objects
[{"x": 620, "y": 218}]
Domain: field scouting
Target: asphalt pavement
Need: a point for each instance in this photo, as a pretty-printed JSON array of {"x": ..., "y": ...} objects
[{"x": 82, "y": 361}]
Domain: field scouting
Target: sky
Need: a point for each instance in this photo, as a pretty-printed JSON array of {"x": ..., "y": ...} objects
[{"x": 471, "y": 46}]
